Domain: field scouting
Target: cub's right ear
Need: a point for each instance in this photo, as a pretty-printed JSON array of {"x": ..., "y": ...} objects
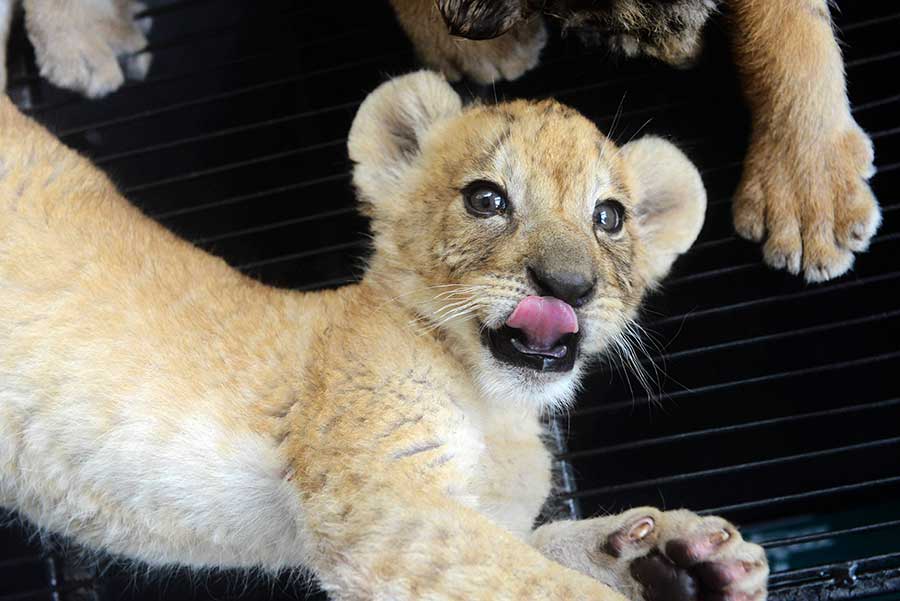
[
  {"x": 386, "y": 136},
  {"x": 671, "y": 201}
]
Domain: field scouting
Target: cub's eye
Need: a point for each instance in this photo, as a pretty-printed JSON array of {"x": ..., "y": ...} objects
[
  {"x": 609, "y": 216},
  {"x": 484, "y": 199}
]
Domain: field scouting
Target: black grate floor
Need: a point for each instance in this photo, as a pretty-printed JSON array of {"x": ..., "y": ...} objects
[{"x": 773, "y": 402}]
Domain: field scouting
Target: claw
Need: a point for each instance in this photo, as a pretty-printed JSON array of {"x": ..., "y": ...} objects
[{"x": 641, "y": 529}]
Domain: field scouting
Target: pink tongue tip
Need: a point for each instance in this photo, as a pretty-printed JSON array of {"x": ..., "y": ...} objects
[{"x": 544, "y": 320}]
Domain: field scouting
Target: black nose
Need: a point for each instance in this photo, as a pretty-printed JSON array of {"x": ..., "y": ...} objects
[{"x": 572, "y": 287}]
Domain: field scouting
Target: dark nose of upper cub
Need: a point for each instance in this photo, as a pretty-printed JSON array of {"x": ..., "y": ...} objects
[{"x": 576, "y": 288}]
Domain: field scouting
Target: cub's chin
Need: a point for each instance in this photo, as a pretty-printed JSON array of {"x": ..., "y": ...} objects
[{"x": 515, "y": 373}]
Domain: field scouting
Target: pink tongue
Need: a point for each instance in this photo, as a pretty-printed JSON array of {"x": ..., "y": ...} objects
[{"x": 544, "y": 319}]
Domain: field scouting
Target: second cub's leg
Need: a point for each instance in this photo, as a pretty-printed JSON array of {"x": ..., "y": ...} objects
[
  {"x": 507, "y": 56},
  {"x": 803, "y": 192},
  {"x": 79, "y": 43},
  {"x": 652, "y": 555}
]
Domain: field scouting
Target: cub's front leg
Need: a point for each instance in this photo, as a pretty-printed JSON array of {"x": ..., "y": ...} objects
[
  {"x": 804, "y": 190},
  {"x": 652, "y": 555},
  {"x": 415, "y": 545}
]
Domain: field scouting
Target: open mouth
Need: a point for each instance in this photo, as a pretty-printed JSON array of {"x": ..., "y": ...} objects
[
  {"x": 507, "y": 345},
  {"x": 541, "y": 334}
]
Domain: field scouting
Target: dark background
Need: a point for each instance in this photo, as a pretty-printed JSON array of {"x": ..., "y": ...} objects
[{"x": 772, "y": 402}]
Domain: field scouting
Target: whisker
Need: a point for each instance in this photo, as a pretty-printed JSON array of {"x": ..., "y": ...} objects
[
  {"x": 424, "y": 289},
  {"x": 633, "y": 332},
  {"x": 612, "y": 127},
  {"x": 458, "y": 314},
  {"x": 451, "y": 305},
  {"x": 639, "y": 130},
  {"x": 632, "y": 137},
  {"x": 468, "y": 307}
]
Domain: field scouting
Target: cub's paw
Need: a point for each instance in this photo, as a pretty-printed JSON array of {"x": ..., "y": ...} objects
[
  {"x": 809, "y": 204},
  {"x": 86, "y": 48},
  {"x": 507, "y": 57},
  {"x": 686, "y": 556},
  {"x": 651, "y": 555}
]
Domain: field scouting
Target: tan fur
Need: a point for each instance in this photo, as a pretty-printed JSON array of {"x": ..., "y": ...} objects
[
  {"x": 78, "y": 43},
  {"x": 804, "y": 191},
  {"x": 155, "y": 403}
]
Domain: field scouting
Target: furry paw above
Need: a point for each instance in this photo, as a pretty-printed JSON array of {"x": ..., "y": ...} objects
[
  {"x": 810, "y": 206},
  {"x": 87, "y": 47}
]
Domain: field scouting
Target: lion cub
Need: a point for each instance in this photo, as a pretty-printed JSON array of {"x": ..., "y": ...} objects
[{"x": 157, "y": 404}]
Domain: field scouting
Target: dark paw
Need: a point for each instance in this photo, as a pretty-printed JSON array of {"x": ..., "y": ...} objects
[
  {"x": 663, "y": 580},
  {"x": 691, "y": 558}
]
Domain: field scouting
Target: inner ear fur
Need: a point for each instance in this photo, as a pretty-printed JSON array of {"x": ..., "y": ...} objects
[
  {"x": 481, "y": 19},
  {"x": 671, "y": 201},
  {"x": 387, "y": 133}
]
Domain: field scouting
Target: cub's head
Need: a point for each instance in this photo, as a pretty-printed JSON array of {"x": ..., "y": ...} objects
[{"x": 517, "y": 232}]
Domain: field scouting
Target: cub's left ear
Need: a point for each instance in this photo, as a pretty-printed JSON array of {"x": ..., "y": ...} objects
[
  {"x": 481, "y": 19},
  {"x": 671, "y": 201},
  {"x": 387, "y": 133}
]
